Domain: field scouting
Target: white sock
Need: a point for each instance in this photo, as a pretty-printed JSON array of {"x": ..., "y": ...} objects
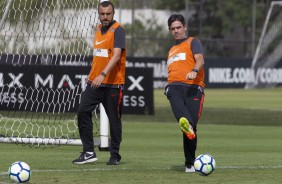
[{"x": 91, "y": 153}]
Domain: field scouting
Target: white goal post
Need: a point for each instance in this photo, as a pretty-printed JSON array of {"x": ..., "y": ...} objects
[
  {"x": 267, "y": 61},
  {"x": 43, "y": 33}
]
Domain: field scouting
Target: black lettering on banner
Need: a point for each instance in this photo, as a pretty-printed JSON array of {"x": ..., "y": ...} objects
[{"x": 22, "y": 86}]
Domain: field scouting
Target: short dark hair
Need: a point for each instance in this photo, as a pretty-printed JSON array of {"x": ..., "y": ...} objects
[
  {"x": 106, "y": 4},
  {"x": 175, "y": 17}
]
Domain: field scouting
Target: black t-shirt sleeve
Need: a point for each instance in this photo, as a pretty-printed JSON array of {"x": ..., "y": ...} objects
[
  {"x": 197, "y": 47},
  {"x": 119, "y": 38}
]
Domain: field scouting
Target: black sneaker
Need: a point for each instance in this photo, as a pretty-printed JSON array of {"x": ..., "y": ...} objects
[
  {"x": 85, "y": 158},
  {"x": 113, "y": 161}
]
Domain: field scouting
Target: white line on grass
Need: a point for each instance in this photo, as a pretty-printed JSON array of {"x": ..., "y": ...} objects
[
  {"x": 250, "y": 167},
  {"x": 77, "y": 170},
  {"x": 155, "y": 168}
]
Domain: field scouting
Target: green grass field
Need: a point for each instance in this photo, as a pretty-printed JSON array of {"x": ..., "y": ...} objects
[{"x": 240, "y": 128}]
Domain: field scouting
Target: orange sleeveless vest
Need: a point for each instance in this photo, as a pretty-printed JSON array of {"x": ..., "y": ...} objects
[
  {"x": 103, "y": 51},
  {"x": 180, "y": 61}
]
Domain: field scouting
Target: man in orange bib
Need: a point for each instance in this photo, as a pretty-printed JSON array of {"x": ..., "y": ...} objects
[
  {"x": 105, "y": 85},
  {"x": 185, "y": 88}
]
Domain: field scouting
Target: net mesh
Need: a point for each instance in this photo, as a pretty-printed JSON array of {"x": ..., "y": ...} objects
[
  {"x": 267, "y": 62},
  {"x": 47, "y": 33}
]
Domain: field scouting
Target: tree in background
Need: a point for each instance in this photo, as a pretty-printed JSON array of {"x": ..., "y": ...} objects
[
  {"x": 148, "y": 39},
  {"x": 169, "y": 5},
  {"x": 228, "y": 21},
  {"x": 224, "y": 26},
  {"x": 144, "y": 37}
]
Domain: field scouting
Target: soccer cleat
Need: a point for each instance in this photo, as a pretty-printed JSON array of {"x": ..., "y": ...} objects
[
  {"x": 85, "y": 158},
  {"x": 113, "y": 161},
  {"x": 190, "y": 169},
  {"x": 186, "y": 128}
]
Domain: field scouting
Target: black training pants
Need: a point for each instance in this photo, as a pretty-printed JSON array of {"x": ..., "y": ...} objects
[
  {"x": 186, "y": 102},
  {"x": 111, "y": 98}
]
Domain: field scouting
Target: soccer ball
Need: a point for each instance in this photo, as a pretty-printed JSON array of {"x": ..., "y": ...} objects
[
  {"x": 19, "y": 172},
  {"x": 204, "y": 164}
]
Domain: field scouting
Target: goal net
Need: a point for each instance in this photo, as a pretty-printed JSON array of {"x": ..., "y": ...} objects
[
  {"x": 267, "y": 62},
  {"x": 38, "y": 38}
]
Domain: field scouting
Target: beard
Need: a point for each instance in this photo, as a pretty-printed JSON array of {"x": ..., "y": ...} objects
[{"x": 105, "y": 22}]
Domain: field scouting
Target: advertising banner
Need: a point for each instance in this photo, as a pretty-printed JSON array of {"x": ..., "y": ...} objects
[
  {"x": 219, "y": 72},
  {"x": 47, "y": 88}
]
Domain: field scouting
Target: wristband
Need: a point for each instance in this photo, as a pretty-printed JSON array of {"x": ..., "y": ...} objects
[
  {"x": 103, "y": 74},
  {"x": 195, "y": 70}
]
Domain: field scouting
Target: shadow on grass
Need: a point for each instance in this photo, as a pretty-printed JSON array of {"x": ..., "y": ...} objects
[{"x": 177, "y": 168}]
